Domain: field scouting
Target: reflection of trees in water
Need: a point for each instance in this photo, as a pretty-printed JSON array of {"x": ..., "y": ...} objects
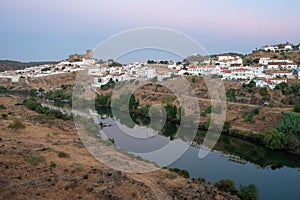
[
  {"x": 170, "y": 129},
  {"x": 252, "y": 152},
  {"x": 229, "y": 145}
]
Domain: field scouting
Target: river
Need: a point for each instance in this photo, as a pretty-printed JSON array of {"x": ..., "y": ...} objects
[{"x": 275, "y": 173}]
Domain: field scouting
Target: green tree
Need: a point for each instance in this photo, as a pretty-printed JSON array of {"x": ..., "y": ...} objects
[
  {"x": 297, "y": 108},
  {"x": 289, "y": 124},
  {"x": 181, "y": 112},
  {"x": 145, "y": 110},
  {"x": 171, "y": 111},
  {"x": 263, "y": 91},
  {"x": 193, "y": 80},
  {"x": 230, "y": 94},
  {"x": 249, "y": 192},
  {"x": 16, "y": 125},
  {"x": 31, "y": 103},
  {"x": 227, "y": 126},
  {"x": 275, "y": 139},
  {"x": 227, "y": 185},
  {"x": 133, "y": 102}
]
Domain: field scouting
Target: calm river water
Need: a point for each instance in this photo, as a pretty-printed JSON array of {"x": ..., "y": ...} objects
[{"x": 276, "y": 174}]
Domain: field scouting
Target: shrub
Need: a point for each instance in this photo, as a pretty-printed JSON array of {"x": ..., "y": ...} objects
[
  {"x": 289, "y": 124},
  {"x": 203, "y": 114},
  {"x": 92, "y": 128},
  {"x": 168, "y": 99},
  {"x": 249, "y": 117},
  {"x": 35, "y": 160},
  {"x": 249, "y": 192},
  {"x": 226, "y": 185},
  {"x": 2, "y": 107},
  {"x": 227, "y": 126},
  {"x": 171, "y": 175},
  {"x": 182, "y": 172},
  {"x": 230, "y": 94},
  {"x": 275, "y": 139},
  {"x": 52, "y": 165},
  {"x": 281, "y": 85},
  {"x": 112, "y": 140},
  {"x": 271, "y": 105},
  {"x": 297, "y": 108},
  {"x": 63, "y": 155},
  {"x": 256, "y": 111},
  {"x": 78, "y": 169},
  {"x": 263, "y": 91},
  {"x": 109, "y": 141},
  {"x": 31, "y": 104},
  {"x": 208, "y": 110},
  {"x": 193, "y": 80},
  {"x": 171, "y": 111},
  {"x": 4, "y": 115},
  {"x": 16, "y": 125}
]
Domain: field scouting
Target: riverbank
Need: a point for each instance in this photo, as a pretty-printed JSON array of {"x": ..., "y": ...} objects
[{"x": 256, "y": 138}]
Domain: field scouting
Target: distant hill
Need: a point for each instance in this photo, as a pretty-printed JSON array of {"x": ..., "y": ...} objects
[{"x": 15, "y": 65}]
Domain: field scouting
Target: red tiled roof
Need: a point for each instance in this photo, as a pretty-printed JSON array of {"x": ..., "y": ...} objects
[
  {"x": 241, "y": 69},
  {"x": 256, "y": 66},
  {"x": 281, "y": 63},
  {"x": 202, "y": 66},
  {"x": 278, "y": 71},
  {"x": 226, "y": 71}
]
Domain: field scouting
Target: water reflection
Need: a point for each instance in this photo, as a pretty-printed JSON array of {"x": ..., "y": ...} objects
[{"x": 236, "y": 150}]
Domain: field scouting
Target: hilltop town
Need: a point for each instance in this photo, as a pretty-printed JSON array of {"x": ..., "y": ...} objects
[{"x": 264, "y": 71}]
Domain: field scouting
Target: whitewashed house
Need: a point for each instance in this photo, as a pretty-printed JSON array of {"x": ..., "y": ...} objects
[
  {"x": 146, "y": 72},
  {"x": 287, "y": 73},
  {"x": 116, "y": 70},
  {"x": 298, "y": 73},
  {"x": 257, "y": 70},
  {"x": 241, "y": 73},
  {"x": 227, "y": 60},
  {"x": 226, "y": 74},
  {"x": 282, "y": 64},
  {"x": 288, "y": 47},
  {"x": 204, "y": 70},
  {"x": 270, "y": 48},
  {"x": 264, "y": 61},
  {"x": 270, "y": 82}
]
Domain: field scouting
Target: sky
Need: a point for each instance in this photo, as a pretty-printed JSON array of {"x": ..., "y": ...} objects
[{"x": 34, "y": 30}]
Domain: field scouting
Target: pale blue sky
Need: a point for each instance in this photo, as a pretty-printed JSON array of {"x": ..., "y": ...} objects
[{"x": 50, "y": 30}]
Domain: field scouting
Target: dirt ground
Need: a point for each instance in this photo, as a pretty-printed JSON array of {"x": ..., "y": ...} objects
[{"x": 31, "y": 167}]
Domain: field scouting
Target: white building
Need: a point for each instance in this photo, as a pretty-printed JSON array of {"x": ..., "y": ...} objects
[
  {"x": 242, "y": 73},
  {"x": 227, "y": 60},
  {"x": 270, "y": 82},
  {"x": 264, "y": 61},
  {"x": 288, "y": 47},
  {"x": 270, "y": 48},
  {"x": 257, "y": 70},
  {"x": 282, "y": 64},
  {"x": 204, "y": 70},
  {"x": 226, "y": 74},
  {"x": 298, "y": 73},
  {"x": 116, "y": 70},
  {"x": 288, "y": 73}
]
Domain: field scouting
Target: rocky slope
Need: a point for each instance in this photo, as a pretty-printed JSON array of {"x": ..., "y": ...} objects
[{"x": 46, "y": 160}]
